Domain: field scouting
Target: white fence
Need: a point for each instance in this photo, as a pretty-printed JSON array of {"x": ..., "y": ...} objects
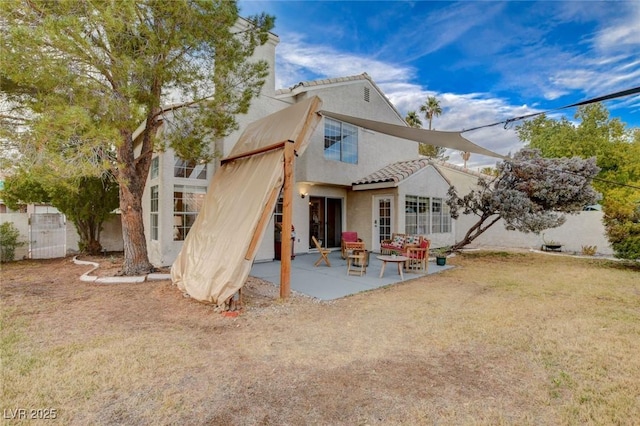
[
  {"x": 21, "y": 222},
  {"x": 48, "y": 235},
  {"x": 581, "y": 230}
]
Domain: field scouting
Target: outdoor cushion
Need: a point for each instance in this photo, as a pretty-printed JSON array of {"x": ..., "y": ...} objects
[
  {"x": 418, "y": 252},
  {"x": 413, "y": 239},
  {"x": 398, "y": 241},
  {"x": 350, "y": 236}
]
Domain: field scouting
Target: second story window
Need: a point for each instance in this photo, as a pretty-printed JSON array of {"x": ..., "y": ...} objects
[
  {"x": 155, "y": 167},
  {"x": 340, "y": 141},
  {"x": 189, "y": 169}
]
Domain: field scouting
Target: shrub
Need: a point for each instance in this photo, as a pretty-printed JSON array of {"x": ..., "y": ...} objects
[
  {"x": 9, "y": 235},
  {"x": 589, "y": 250}
]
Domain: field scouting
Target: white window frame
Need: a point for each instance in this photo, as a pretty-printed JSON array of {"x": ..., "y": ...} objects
[
  {"x": 186, "y": 208},
  {"x": 153, "y": 209},
  {"x": 340, "y": 141},
  {"x": 189, "y": 169},
  {"x": 426, "y": 215}
]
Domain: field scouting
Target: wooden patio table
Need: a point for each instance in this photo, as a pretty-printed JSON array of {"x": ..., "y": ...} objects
[{"x": 399, "y": 260}]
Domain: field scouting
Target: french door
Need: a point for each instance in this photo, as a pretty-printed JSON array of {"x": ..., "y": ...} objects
[{"x": 382, "y": 219}]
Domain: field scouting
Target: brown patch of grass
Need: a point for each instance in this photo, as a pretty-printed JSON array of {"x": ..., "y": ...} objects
[{"x": 504, "y": 338}]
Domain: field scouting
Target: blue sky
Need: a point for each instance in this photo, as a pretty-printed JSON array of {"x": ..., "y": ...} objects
[{"x": 485, "y": 61}]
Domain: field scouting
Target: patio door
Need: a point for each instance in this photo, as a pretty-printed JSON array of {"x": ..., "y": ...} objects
[
  {"x": 325, "y": 221},
  {"x": 382, "y": 219}
]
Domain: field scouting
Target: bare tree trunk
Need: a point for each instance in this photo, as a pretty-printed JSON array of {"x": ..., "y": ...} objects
[
  {"x": 132, "y": 177},
  {"x": 89, "y": 243},
  {"x": 136, "y": 259},
  {"x": 475, "y": 231}
]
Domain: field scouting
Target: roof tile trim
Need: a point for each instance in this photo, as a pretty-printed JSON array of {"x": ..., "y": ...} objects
[{"x": 395, "y": 172}]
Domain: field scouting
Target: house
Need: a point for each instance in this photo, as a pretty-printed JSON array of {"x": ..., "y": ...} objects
[{"x": 349, "y": 178}]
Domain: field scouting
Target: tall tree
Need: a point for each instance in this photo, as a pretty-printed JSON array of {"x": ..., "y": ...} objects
[
  {"x": 617, "y": 152},
  {"x": 413, "y": 119},
  {"x": 529, "y": 193},
  {"x": 84, "y": 75},
  {"x": 466, "y": 155},
  {"x": 431, "y": 108}
]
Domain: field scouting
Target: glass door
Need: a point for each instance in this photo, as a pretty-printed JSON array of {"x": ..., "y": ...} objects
[
  {"x": 325, "y": 221},
  {"x": 382, "y": 220}
]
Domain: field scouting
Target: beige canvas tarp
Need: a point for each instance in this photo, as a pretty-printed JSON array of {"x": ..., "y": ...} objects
[
  {"x": 453, "y": 140},
  {"x": 217, "y": 254}
]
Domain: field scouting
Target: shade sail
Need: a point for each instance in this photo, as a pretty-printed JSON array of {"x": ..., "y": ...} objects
[
  {"x": 453, "y": 140},
  {"x": 217, "y": 254}
]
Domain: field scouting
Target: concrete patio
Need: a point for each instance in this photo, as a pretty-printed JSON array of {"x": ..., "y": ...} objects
[{"x": 328, "y": 283}]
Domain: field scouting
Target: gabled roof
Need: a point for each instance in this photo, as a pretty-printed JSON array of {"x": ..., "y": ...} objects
[
  {"x": 305, "y": 86},
  {"x": 391, "y": 175}
]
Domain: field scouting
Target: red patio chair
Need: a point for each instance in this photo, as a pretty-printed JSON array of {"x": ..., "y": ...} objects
[
  {"x": 348, "y": 237},
  {"x": 418, "y": 256}
]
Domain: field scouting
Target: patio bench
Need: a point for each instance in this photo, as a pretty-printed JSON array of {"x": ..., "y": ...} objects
[{"x": 400, "y": 242}]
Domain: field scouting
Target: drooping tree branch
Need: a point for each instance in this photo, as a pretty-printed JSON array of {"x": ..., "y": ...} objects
[{"x": 529, "y": 193}]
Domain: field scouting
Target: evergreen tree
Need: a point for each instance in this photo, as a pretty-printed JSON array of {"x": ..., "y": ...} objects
[
  {"x": 617, "y": 153},
  {"x": 79, "y": 77}
]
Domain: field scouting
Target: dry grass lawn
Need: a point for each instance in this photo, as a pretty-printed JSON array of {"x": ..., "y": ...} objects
[{"x": 504, "y": 338}]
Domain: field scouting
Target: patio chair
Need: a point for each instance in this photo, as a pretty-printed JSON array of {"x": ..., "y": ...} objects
[
  {"x": 394, "y": 245},
  {"x": 348, "y": 237},
  {"x": 356, "y": 261},
  {"x": 418, "y": 257},
  {"x": 350, "y": 247},
  {"x": 323, "y": 252}
]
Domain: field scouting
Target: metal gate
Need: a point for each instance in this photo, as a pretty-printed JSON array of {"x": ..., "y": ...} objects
[{"x": 47, "y": 235}]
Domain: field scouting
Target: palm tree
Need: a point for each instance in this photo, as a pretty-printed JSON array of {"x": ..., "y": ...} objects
[
  {"x": 491, "y": 171},
  {"x": 413, "y": 119},
  {"x": 465, "y": 156},
  {"x": 431, "y": 108}
]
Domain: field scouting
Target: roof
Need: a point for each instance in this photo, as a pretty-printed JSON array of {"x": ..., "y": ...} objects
[
  {"x": 304, "y": 86},
  {"x": 393, "y": 173}
]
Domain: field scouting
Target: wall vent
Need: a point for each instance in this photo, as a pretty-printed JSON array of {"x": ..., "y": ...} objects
[{"x": 366, "y": 94}]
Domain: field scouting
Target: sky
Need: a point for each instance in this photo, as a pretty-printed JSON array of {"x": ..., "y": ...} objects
[{"x": 485, "y": 61}]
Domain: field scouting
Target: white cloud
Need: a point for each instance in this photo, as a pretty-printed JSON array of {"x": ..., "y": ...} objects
[
  {"x": 465, "y": 111},
  {"x": 623, "y": 32},
  {"x": 425, "y": 33},
  {"x": 524, "y": 59},
  {"x": 298, "y": 61},
  {"x": 323, "y": 60}
]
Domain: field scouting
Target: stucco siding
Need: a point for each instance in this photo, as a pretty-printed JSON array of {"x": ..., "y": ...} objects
[
  {"x": 426, "y": 183},
  {"x": 583, "y": 229},
  {"x": 359, "y": 215},
  {"x": 375, "y": 150},
  {"x": 110, "y": 237}
]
